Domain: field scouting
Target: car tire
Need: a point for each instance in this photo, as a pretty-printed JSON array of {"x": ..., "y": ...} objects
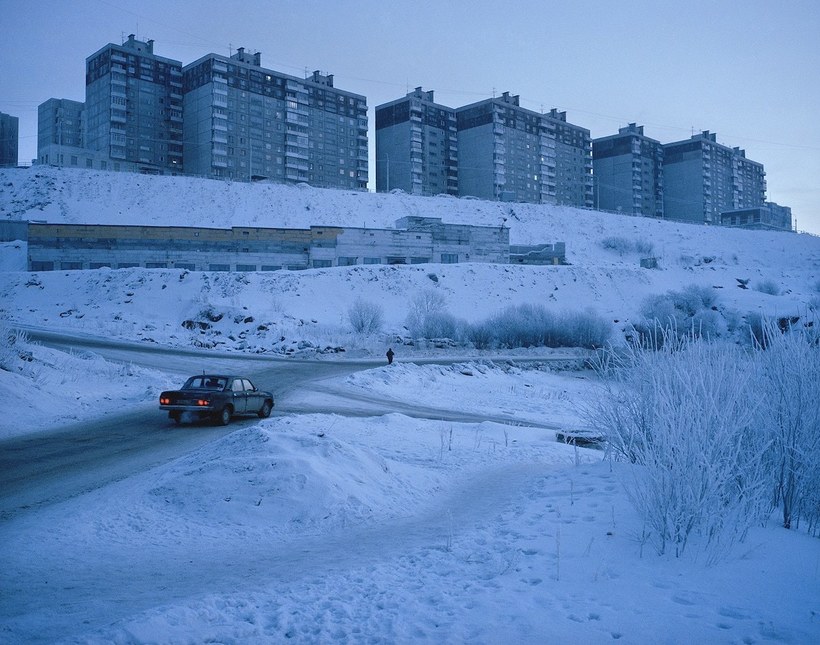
[
  {"x": 176, "y": 417},
  {"x": 264, "y": 411},
  {"x": 223, "y": 418}
]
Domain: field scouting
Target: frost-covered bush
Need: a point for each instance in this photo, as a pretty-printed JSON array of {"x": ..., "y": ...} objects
[
  {"x": 788, "y": 374},
  {"x": 365, "y": 317},
  {"x": 687, "y": 416},
  {"x": 529, "y": 325},
  {"x": 690, "y": 311},
  {"x": 12, "y": 347},
  {"x": 768, "y": 286},
  {"x": 618, "y": 244},
  {"x": 438, "y": 324},
  {"x": 622, "y": 245},
  {"x": 423, "y": 305},
  {"x": 644, "y": 247}
]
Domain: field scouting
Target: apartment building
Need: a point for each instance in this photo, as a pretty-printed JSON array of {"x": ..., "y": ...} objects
[
  {"x": 133, "y": 107},
  {"x": 703, "y": 179},
  {"x": 9, "y": 139},
  {"x": 245, "y": 122},
  {"x": 505, "y": 152},
  {"x": 60, "y": 132},
  {"x": 628, "y": 173},
  {"x": 573, "y": 160},
  {"x": 416, "y": 146}
]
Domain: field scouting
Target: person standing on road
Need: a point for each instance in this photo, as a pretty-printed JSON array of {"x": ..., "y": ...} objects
[{"x": 390, "y": 355}]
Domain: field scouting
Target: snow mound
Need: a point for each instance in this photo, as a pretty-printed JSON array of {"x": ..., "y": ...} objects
[{"x": 283, "y": 476}]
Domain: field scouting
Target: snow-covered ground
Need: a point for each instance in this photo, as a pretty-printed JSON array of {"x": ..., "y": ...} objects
[
  {"x": 326, "y": 528},
  {"x": 321, "y": 528}
]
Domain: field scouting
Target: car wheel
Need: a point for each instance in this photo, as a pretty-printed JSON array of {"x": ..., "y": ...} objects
[
  {"x": 264, "y": 412},
  {"x": 224, "y": 416},
  {"x": 176, "y": 417}
]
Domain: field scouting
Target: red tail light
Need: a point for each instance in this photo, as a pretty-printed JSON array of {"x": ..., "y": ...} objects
[
  {"x": 203, "y": 402},
  {"x": 164, "y": 400}
]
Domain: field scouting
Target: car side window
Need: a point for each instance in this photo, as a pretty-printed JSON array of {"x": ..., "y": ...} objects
[
  {"x": 248, "y": 384},
  {"x": 237, "y": 385}
]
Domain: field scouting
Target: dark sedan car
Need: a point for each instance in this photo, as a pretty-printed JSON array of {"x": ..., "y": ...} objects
[{"x": 216, "y": 396}]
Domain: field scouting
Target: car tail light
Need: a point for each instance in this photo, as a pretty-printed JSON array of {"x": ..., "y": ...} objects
[
  {"x": 203, "y": 402},
  {"x": 164, "y": 400}
]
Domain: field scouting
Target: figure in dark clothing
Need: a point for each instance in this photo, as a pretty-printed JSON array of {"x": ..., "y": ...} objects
[{"x": 390, "y": 356}]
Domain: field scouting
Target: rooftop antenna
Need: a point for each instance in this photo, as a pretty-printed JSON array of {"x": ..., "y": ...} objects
[{"x": 230, "y": 50}]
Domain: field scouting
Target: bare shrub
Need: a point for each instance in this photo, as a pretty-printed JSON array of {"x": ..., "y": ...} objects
[
  {"x": 423, "y": 305},
  {"x": 769, "y": 287},
  {"x": 365, "y": 317},
  {"x": 622, "y": 245},
  {"x": 687, "y": 417},
  {"x": 788, "y": 372},
  {"x": 691, "y": 311},
  {"x": 529, "y": 325},
  {"x": 12, "y": 347},
  {"x": 618, "y": 244}
]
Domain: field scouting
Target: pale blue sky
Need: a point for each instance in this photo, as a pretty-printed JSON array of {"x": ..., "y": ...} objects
[{"x": 747, "y": 70}]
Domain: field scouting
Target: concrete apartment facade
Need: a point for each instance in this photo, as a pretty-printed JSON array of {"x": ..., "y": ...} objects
[
  {"x": 416, "y": 146},
  {"x": 573, "y": 160},
  {"x": 628, "y": 173},
  {"x": 60, "y": 138},
  {"x": 9, "y": 140},
  {"x": 245, "y": 122},
  {"x": 133, "y": 107},
  {"x": 505, "y": 152},
  {"x": 415, "y": 240},
  {"x": 703, "y": 179}
]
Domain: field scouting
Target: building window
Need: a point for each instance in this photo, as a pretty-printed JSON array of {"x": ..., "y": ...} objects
[
  {"x": 449, "y": 258},
  {"x": 372, "y": 261},
  {"x": 219, "y": 267}
]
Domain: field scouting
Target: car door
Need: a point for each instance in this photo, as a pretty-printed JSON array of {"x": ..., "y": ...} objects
[
  {"x": 239, "y": 396},
  {"x": 254, "y": 396}
]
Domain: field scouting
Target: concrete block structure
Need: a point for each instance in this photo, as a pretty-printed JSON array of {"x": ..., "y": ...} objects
[
  {"x": 628, "y": 173},
  {"x": 133, "y": 107},
  {"x": 416, "y": 146},
  {"x": 703, "y": 179},
  {"x": 245, "y": 122},
  {"x": 9, "y": 140},
  {"x": 60, "y": 135},
  {"x": 770, "y": 216},
  {"x": 416, "y": 240}
]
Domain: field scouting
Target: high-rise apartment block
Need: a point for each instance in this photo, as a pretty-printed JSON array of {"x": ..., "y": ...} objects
[
  {"x": 504, "y": 152},
  {"x": 416, "y": 146},
  {"x": 9, "y": 139},
  {"x": 628, "y": 173},
  {"x": 243, "y": 121},
  {"x": 492, "y": 149},
  {"x": 703, "y": 179},
  {"x": 133, "y": 107},
  {"x": 573, "y": 160},
  {"x": 59, "y": 131}
]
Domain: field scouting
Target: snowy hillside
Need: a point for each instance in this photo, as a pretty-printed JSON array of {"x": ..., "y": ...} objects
[{"x": 604, "y": 251}]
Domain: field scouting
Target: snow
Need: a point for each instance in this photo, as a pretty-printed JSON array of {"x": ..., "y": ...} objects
[{"x": 387, "y": 528}]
